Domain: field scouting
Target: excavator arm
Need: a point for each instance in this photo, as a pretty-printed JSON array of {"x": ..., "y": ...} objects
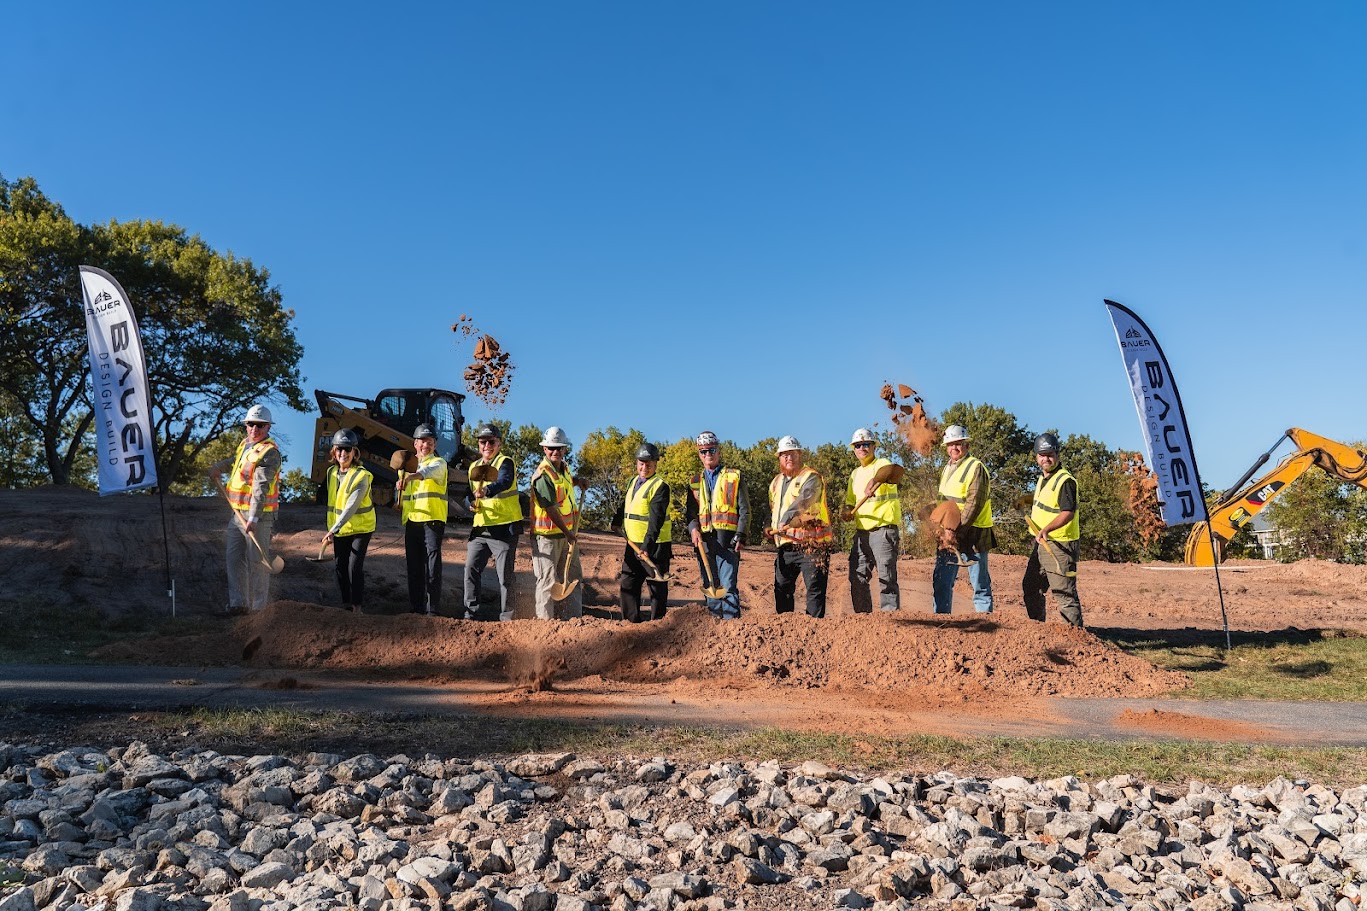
[{"x": 1238, "y": 505}]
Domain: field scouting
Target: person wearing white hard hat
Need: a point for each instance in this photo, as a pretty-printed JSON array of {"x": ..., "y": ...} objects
[
  {"x": 555, "y": 528},
  {"x": 876, "y": 510},
  {"x": 253, "y": 491},
  {"x": 351, "y": 517},
  {"x": 965, "y": 482},
  {"x": 718, "y": 513},
  {"x": 801, "y": 527}
]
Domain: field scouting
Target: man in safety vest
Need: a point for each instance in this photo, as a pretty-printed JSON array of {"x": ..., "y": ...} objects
[
  {"x": 497, "y": 523},
  {"x": 555, "y": 529},
  {"x": 801, "y": 527},
  {"x": 422, "y": 496},
  {"x": 1053, "y": 519},
  {"x": 876, "y": 510},
  {"x": 965, "y": 482},
  {"x": 253, "y": 491},
  {"x": 717, "y": 512},
  {"x": 645, "y": 524}
]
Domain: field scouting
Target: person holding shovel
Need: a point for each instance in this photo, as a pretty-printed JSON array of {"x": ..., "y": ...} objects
[
  {"x": 1053, "y": 518},
  {"x": 801, "y": 527},
  {"x": 645, "y": 524},
  {"x": 965, "y": 482},
  {"x": 873, "y": 504},
  {"x": 717, "y": 512},
  {"x": 253, "y": 492},
  {"x": 555, "y": 530},
  {"x": 497, "y": 523},
  {"x": 422, "y": 496},
  {"x": 351, "y": 517}
]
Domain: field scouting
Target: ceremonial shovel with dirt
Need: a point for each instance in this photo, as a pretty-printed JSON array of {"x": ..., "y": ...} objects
[{"x": 274, "y": 563}]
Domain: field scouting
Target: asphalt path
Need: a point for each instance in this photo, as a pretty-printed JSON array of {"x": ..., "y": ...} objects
[{"x": 43, "y": 688}]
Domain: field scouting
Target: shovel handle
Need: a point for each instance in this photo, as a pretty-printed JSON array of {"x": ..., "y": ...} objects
[{"x": 274, "y": 564}]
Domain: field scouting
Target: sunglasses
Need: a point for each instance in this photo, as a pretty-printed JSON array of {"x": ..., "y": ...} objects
[
  {"x": 708, "y": 450},
  {"x": 487, "y": 442},
  {"x": 863, "y": 445},
  {"x": 344, "y": 448},
  {"x": 257, "y": 424}
]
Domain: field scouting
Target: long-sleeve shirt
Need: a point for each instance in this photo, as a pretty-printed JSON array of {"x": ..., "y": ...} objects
[
  {"x": 353, "y": 500},
  {"x": 507, "y": 476},
  {"x": 692, "y": 508}
]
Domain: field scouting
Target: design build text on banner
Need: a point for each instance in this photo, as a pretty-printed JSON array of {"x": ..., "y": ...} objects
[
  {"x": 1164, "y": 425},
  {"x": 118, "y": 377}
]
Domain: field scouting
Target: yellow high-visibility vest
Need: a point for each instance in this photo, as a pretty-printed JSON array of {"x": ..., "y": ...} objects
[
  {"x": 813, "y": 524},
  {"x": 883, "y": 508},
  {"x": 564, "y": 501},
  {"x": 240, "y": 478},
  {"x": 363, "y": 519},
  {"x": 1045, "y": 508},
  {"x": 954, "y": 487},
  {"x": 500, "y": 509},
  {"x": 636, "y": 513},
  {"x": 425, "y": 499},
  {"x": 720, "y": 510}
]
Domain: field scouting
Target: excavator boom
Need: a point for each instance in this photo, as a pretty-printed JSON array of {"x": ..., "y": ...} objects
[{"x": 1241, "y": 503}]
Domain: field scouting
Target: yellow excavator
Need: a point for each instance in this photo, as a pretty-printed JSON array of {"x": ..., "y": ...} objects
[
  {"x": 386, "y": 424},
  {"x": 1243, "y": 501}
]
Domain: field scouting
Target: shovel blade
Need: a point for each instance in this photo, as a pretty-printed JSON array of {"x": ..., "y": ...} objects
[
  {"x": 716, "y": 594},
  {"x": 562, "y": 590}
]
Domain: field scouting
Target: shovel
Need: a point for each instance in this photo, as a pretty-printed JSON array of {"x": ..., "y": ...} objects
[
  {"x": 322, "y": 549},
  {"x": 649, "y": 564},
  {"x": 711, "y": 587},
  {"x": 888, "y": 474},
  {"x": 947, "y": 517},
  {"x": 274, "y": 563},
  {"x": 560, "y": 590}
]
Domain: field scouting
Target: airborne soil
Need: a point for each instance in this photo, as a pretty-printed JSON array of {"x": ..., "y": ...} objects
[{"x": 904, "y": 672}]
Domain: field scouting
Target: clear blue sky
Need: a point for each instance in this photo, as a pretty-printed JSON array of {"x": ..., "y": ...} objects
[{"x": 747, "y": 216}]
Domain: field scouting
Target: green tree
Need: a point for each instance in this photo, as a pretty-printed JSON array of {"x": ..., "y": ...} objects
[
  {"x": 1320, "y": 516},
  {"x": 297, "y": 487},
  {"x": 607, "y": 461},
  {"x": 1006, "y": 448},
  {"x": 215, "y": 334},
  {"x": 23, "y": 465}
]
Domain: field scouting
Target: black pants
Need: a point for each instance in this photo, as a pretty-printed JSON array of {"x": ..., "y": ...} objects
[
  {"x": 634, "y": 574},
  {"x": 422, "y": 549},
  {"x": 349, "y": 550},
  {"x": 789, "y": 562}
]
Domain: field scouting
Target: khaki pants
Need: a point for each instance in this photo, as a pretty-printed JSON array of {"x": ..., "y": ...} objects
[
  {"x": 547, "y": 552},
  {"x": 1054, "y": 570}
]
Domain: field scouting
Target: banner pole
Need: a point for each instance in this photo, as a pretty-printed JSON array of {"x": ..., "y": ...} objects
[
  {"x": 1215, "y": 562},
  {"x": 166, "y": 550}
]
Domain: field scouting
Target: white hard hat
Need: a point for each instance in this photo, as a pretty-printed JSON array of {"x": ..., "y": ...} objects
[
  {"x": 259, "y": 414},
  {"x": 788, "y": 444},
  {"x": 862, "y": 435},
  {"x": 707, "y": 438},
  {"x": 955, "y": 433},
  {"x": 555, "y": 438}
]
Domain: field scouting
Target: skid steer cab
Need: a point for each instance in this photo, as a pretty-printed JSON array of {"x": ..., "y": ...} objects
[{"x": 384, "y": 425}]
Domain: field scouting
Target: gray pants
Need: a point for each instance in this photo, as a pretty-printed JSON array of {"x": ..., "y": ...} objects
[
  {"x": 547, "y": 552},
  {"x": 875, "y": 549},
  {"x": 477, "y": 555},
  {"x": 1052, "y": 568},
  {"x": 249, "y": 578}
]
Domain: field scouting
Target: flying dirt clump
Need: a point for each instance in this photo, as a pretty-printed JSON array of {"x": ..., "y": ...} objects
[
  {"x": 1143, "y": 498},
  {"x": 909, "y": 416},
  {"x": 490, "y": 375}
]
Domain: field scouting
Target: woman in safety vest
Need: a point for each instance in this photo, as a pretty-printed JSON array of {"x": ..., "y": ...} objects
[{"x": 351, "y": 517}]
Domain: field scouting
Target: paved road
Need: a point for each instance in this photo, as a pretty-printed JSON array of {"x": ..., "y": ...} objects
[{"x": 120, "y": 688}]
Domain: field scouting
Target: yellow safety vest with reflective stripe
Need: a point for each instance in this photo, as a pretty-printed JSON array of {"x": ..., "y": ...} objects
[
  {"x": 363, "y": 519},
  {"x": 954, "y": 480},
  {"x": 813, "y": 526},
  {"x": 425, "y": 499},
  {"x": 721, "y": 510},
  {"x": 636, "y": 513},
  {"x": 1045, "y": 509},
  {"x": 502, "y": 508},
  {"x": 240, "y": 478},
  {"x": 564, "y": 501},
  {"x": 883, "y": 508}
]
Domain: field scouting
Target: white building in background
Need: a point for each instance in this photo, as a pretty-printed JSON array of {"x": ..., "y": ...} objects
[{"x": 1269, "y": 537}]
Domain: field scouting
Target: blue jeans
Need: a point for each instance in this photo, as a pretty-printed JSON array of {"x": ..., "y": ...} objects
[
  {"x": 726, "y": 561},
  {"x": 947, "y": 571}
]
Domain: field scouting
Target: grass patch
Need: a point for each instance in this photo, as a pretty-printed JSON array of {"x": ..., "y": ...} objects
[
  {"x": 34, "y": 631},
  {"x": 290, "y": 732},
  {"x": 1310, "y": 665}
]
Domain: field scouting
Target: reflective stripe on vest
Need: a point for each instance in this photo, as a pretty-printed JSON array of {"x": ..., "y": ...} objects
[
  {"x": 502, "y": 508},
  {"x": 721, "y": 510},
  {"x": 425, "y": 499},
  {"x": 636, "y": 513},
  {"x": 363, "y": 519},
  {"x": 564, "y": 501},
  {"x": 813, "y": 525},
  {"x": 240, "y": 478},
  {"x": 1045, "y": 508},
  {"x": 883, "y": 508},
  {"x": 954, "y": 487}
]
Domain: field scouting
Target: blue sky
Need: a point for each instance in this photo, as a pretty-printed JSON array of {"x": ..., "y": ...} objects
[{"x": 747, "y": 216}]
